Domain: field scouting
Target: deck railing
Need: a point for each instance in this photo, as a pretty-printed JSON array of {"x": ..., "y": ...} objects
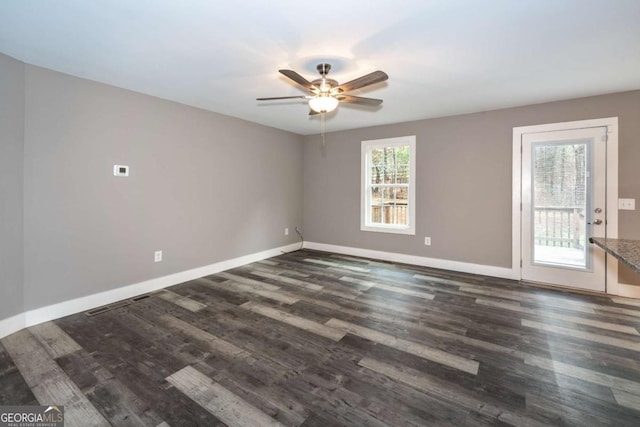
[
  {"x": 554, "y": 226},
  {"x": 559, "y": 226}
]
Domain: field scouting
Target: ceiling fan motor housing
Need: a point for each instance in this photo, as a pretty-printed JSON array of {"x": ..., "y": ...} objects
[{"x": 325, "y": 85}]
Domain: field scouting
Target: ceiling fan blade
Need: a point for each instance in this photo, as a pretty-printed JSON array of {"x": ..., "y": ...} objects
[
  {"x": 298, "y": 79},
  {"x": 312, "y": 112},
  {"x": 369, "y": 79},
  {"x": 282, "y": 97},
  {"x": 359, "y": 100}
]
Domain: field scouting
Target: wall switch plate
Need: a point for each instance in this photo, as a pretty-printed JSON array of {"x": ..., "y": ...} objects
[
  {"x": 286, "y": 231},
  {"x": 427, "y": 241},
  {"x": 121, "y": 170},
  {"x": 157, "y": 256},
  {"x": 627, "y": 204}
]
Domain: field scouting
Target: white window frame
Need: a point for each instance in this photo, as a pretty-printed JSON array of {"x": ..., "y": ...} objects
[{"x": 365, "y": 194}]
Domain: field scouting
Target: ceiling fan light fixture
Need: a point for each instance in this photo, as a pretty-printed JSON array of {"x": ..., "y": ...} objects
[
  {"x": 325, "y": 94},
  {"x": 323, "y": 103}
]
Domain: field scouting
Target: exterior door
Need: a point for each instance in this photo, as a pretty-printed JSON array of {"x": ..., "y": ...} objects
[{"x": 563, "y": 204}]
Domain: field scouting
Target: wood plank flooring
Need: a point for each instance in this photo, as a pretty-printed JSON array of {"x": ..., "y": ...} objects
[{"x": 318, "y": 339}]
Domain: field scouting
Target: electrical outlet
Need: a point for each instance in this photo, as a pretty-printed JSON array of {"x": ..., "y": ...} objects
[
  {"x": 157, "y": 256},
  {"x": 627, "y": 204},
  {"x": 427, "y": 241},
  {"x": 120, "y": 170},
  {"x": 286, "y": 231}
]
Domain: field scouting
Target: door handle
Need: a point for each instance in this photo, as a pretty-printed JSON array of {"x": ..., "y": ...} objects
[{"x": 596, "y": 222}]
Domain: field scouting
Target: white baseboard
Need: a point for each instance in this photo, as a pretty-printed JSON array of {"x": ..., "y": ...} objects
[
  {"x": 65, "y": 308},
  {"x": 11, "y": 324},
  {"x": 464, "y": 267},
  {"x": 629, "y": 291}
]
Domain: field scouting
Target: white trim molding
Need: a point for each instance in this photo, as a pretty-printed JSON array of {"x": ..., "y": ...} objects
[
  {"x": 629, "y": 291},
  {"x": 611, "y": 123},
  {"x": 77, "y": 305},
  {"x": 445, "y": 264},
  {"x": 12, "y": 324}
]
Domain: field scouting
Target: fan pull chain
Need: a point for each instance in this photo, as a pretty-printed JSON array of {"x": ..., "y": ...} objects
[{"x": 322, "y": 127}]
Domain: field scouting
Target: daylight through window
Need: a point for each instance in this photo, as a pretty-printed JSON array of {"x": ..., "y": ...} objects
[{"x": 388, "y": 181}]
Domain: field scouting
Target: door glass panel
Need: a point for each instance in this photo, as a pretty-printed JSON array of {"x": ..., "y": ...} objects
[{"x": 560, "y": 202}]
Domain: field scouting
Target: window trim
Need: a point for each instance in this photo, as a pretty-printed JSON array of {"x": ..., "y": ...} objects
[{"x": 365, "y": 179}]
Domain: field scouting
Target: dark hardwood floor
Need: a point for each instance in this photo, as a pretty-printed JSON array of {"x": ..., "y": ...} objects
[{"x": 317, "y": 339}]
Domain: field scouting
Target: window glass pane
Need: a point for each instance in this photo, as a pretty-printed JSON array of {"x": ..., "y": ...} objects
[
  {"x": 389, "y": 165},
  {"x": 402, "y": 175},
  {"x": 377, "y": 156},
  {"x": 389, "y": 205},
  {"x": 560, "y": 173},
  {"x": 382, "y": 207},
  {"x": 399, "y": 208},
  {"x": 390, "y": 174},
  {"x": 377, "y": 201},
  {"x": 400, "y": 164},
  {"x": 386, "y": 158},
  {"x": 388, "y": 208},
  {"x": 377, "y": 195},
  {"x": 377, "y": 174}
]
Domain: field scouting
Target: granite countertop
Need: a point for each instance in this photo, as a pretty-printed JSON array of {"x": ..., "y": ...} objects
[{"x": 625, "y": 250}]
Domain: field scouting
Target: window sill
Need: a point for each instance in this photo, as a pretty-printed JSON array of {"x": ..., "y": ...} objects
[{"x": 387, "y": 229}]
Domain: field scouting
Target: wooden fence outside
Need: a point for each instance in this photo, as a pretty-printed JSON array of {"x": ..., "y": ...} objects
[{"x": 393, "y": 214}]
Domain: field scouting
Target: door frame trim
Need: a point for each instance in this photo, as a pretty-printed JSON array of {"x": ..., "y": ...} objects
[{"x": 611, "y": 123}]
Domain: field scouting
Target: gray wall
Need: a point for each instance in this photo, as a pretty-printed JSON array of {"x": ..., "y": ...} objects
[
  {"x": 11, "y": 172},
  {"x": 463, "y": 178},
  {"x": 203, "y": 187}
]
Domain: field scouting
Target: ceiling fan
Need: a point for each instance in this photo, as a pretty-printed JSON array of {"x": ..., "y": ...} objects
[{"x": 326, "y": 94}]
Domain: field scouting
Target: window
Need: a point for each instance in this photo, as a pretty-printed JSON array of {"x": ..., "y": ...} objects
[{"x": 388, "y": 185}]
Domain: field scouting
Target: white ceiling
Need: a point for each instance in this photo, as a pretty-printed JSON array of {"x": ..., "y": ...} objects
[{"x": 443, "y": 57}]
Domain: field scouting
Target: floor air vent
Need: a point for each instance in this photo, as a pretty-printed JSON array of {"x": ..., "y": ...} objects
[
  {"x": 97, "y": 311},
  {"x": 115, "y": 305}
]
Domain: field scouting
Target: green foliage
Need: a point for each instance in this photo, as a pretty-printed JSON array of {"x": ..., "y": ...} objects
[{"x": 390, "y": 165}]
